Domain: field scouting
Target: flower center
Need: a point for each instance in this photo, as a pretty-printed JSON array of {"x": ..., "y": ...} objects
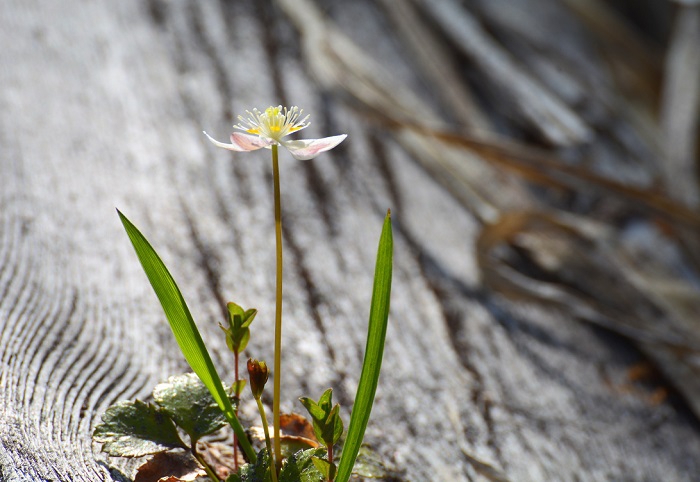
[{"x": 274, "y": 123}]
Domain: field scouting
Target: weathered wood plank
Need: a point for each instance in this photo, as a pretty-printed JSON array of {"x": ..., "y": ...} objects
[{"x": 102, "y": 106}]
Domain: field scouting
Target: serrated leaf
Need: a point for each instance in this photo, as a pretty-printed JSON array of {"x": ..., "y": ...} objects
[
  {"x": 253, "y": 472},
  {"x": 190, "y": 404},
  {"x": 183, "y": 327},
  {"x": 374, "y": 351},
  {"x": 300, "y": 467},
  {"x": 134, "y": 429}
]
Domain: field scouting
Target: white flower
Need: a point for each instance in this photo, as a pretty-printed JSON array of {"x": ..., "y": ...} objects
[{"x": 263, "y": 129}]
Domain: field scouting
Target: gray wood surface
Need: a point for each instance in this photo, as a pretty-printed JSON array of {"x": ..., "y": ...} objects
[{"x": 102, "y": 105}]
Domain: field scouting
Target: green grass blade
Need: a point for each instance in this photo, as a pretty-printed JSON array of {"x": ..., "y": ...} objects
[
  {"x": 184, "y": 328},
  {"x": 376, "y": 334}
]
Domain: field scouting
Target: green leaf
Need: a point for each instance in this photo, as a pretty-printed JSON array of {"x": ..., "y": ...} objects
[
  {"x": 238, "y": 334},
  {"x": 183, "y": 327},
  {"x": 327, "y": 425},
  {"x": 318, "y": 416},
  {"x": 370, "y": 466},
  {"x": 246, "y": 316},
  {"x": 134, "y": 429},
  {"x": 374, "y": 351},
  {"x": 253, "y": 472},
  {"x": 325, "y": 402},
  {"x": 334, "y": 426},
  {"x": 300, "y": 467},
  {"x": 325, "y": 467},
  {"x": 190, "y": 404},
  {"x": 316, "y": 412},
  {"x": 237, "y": 388},
  {"x": 241, "y": 342}
]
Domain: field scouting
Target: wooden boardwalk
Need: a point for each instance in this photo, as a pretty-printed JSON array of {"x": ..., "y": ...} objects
[{"x": 568, "y": 375}]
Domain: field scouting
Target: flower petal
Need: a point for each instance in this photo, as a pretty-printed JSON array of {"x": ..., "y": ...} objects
[
  {"x": 305, "y": 149},
  {"x": 242, "y": 142}
]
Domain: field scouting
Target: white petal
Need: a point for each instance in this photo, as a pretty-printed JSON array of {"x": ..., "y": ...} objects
[
  {"x": 305, "y": 149},
  {"x": 241, "y": 142},
  {"x": 248, "y": 142}
]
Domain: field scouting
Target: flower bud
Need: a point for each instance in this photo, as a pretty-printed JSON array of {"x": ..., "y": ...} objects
[{"x": 257, "y": 370}]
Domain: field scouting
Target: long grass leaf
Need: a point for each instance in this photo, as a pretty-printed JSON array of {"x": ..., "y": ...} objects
[
  {"x": 376, "y": 335},
  {"x": 183, "y": 327}
]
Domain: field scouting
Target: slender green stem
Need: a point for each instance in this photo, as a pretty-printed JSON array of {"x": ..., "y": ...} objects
[
  {"x": 210, "y": 472},
  {"x": 268, "y": 443},
  {"x": 278, "y": 311},
  {"x": 235, "y": 437}
]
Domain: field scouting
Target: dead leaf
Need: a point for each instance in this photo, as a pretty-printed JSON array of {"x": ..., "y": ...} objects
[
  {"x": 169, "y": 467},
  {"x": 296, "y": 433}
]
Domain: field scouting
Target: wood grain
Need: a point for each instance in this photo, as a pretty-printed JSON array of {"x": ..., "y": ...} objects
[{"x": 102, "y": 105}]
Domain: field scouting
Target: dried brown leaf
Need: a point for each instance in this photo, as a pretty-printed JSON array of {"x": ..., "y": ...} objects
[{"x": 169, "y": 467}]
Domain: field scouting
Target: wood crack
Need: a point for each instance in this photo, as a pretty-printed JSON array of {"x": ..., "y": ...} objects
[
  {"x": 314, "y": 299},
  {"x": 445, "y": 289}
]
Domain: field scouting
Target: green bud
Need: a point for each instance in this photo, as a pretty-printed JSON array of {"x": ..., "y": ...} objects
[{"x": 257, "y": 370}]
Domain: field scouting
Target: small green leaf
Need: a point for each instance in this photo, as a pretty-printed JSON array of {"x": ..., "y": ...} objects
[
  {"x": 238, "y": 334},
  {"x": 316, "y": 412},
  {"x": 237, "y": 388},
  {"x": 134, "y": 428},
  {"x": 248, "y": 317},
  {"x": 334, "y": 426},
  {"x": 183, "y": 327},
  {"x": 318, "y": 416},
  {"x": 300, "y": 467},
  {"x": 374, "y": 351},
  {"x": 234, "y": 309},
  {"x": 241, "y": 342},
  {"x": 325, "y": 467},
  {"x": 327, "y": 425},
  {"x": 190, "y": 404},
  {"x": 325, "y": 402}
]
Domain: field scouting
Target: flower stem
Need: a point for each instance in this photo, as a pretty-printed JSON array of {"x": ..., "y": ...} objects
[
  {"x": 278, "y": 311},
  {"x": 210, "y": 472},
  {"x": 268, "y": 444}
]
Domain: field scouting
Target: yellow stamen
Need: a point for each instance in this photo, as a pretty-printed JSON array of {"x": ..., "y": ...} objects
[{"x": 274, "y": 122}]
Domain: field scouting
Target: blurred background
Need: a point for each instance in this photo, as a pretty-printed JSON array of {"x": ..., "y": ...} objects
[{"x": 540, "y": 161}]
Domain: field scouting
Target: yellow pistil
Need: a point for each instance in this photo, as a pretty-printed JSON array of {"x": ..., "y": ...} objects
[{"x": 274, "y": 123}]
